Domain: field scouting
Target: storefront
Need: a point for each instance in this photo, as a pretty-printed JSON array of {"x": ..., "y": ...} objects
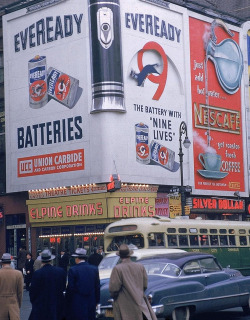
[{"x": 71, "y": 217}]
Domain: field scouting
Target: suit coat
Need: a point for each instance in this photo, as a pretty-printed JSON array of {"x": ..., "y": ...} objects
[
  {"x": 83, "y": 292},
  {"x": 46, "y": 293},
  {"x": 11, "y": 293},
  {"x": 127, "y": 284}
]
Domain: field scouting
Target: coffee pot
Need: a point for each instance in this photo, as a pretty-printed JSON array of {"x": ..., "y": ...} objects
[{"x": 227, "y": 58}]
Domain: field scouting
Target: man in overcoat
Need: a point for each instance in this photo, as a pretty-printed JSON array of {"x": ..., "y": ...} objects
[
  {"x": 127, "y": 284},
  {"x": 46, "y": 290},
  {"x": 11, "y": 290},
  {"x": 83, "y": 290}
]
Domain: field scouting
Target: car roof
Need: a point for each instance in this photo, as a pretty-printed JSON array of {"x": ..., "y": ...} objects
[
  {"x": 140, "y": 253},
  {"x": 178, "y": 259}
]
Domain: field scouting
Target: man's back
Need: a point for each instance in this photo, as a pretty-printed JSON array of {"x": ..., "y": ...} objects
[{"x": 46, "y": 293}]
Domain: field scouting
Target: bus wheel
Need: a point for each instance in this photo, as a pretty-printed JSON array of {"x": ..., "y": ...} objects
[
  {"x": 246, "y": 309},
  {"x": 182, "y": 313}
]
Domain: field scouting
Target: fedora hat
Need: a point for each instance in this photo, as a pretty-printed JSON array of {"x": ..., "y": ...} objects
[
  {"x": 124, "y": 251},
  {"x": 6, "y": 258},
  {"x": 80, "y": 253},
  {"x": 46, "y": 256}
]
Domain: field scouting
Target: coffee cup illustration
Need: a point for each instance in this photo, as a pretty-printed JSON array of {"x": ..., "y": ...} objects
[{"x": 210, "y": 161}]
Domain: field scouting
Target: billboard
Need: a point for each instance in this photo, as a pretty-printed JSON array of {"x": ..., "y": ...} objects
[
  {"x": 216, "y": 60},
  {"x": 94, "y": 88}
]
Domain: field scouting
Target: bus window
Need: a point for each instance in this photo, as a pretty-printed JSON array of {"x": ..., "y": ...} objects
[
  {"x": 172, "y": 241},
  {"x": 223, "y": 241},
  {"x": 214, "y": 240},
  {"x": 243, "y": 240},
  {"x": 183, "y": 241},
  {"x": 231, "y": 231},
  {"x": 182, "y": 230},
  {"x": 156, "y": 240},
  {"x": 171, "y": 230},
  {"x": 242, "y": 231},
  {"x": 203, "y": 230},
  {"x": 213, "y": 231},
  {"x": 223, "y": 231},
  {"x": 204, "y": 240},
  {"x": 135, "y": 239},
  {"x": 232, "y": 240},
  {"x": 193, "y": 240}
]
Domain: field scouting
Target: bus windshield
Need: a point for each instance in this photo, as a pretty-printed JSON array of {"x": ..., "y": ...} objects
[{"x": 136, "y": 240}]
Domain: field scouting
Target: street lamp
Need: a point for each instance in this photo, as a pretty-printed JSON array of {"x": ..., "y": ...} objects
[{"x": 186, "y": 143}]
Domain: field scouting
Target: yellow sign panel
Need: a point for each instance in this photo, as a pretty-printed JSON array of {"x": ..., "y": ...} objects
[
  {"x": 131, "y": 205},
  {"x": 78, "y": 208},
  {"x": 174, "y": 206}
]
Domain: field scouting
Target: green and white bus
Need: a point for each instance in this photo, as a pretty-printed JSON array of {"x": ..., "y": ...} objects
[{"x": 229, "y": 241}]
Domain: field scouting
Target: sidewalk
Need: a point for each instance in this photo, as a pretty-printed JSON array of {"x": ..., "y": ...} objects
[{"x": 26, "y": 306}]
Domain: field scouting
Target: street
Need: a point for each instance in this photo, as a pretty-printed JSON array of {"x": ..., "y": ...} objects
[{"x": 230, "y": 314}]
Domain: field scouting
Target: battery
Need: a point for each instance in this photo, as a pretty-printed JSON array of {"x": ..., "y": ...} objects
[
  {"x": 38, "y": 96},
  {"x": 142, "y": 143},
  {"x": 161, "y": 155},
  {"x": 62, "y": 87},
  {"x": 106, "y": 56}
]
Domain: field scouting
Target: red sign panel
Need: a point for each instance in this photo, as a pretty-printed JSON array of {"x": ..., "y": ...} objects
[{"x": 216, "y": 73}]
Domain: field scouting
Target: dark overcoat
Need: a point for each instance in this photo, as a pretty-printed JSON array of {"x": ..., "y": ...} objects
[
  {"x": 127, "y": 283},
  {"x": 83, "y": 292},
  {"x": 46, "y": 293}
]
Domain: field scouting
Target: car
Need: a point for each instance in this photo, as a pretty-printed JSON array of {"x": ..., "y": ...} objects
[
  {"x": 186, "y": 283},
  {"x": 112, "y": 259}
]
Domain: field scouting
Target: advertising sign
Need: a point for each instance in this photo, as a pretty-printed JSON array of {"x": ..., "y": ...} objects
[
  {"x": 94, "y": 88},
  {"x": 216, "y": 61}
]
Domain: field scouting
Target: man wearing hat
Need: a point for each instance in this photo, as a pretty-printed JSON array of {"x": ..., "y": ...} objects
[
  {"x": 11, "y": 290},
  {"x": 83, "y": 290},
  {"x": 46, "y": 291},
  {"x": 127, "y": 284}
]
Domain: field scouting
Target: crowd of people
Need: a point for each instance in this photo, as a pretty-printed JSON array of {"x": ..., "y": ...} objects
[{"x": 71, "y": 291}]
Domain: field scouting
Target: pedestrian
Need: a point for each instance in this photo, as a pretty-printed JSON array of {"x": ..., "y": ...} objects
[
  {"x": 47, "y": 290},
  {"x": 95, "y": 258},
  {"x": 127, "y": 284},
  {"x": 100, "y": 251},
  {"x": 28, "y": 270},
  {"x": 11, "y": 290},
  {"x": 63, "y": 260},
  {"x": 21, "y": 258},
  {"x": 38, "y": 262},
  {"x": 83, "y": 290}
]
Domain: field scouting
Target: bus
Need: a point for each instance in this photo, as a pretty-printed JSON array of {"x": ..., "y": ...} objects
[{"x": 229, "y": 241}]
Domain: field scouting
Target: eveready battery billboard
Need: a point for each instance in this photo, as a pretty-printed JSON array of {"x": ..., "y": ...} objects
[
  {"x": 219, "y": 130},
  {"x": 94, "y": 88}
]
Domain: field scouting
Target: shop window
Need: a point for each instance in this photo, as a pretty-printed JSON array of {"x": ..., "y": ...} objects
[
  {"x": 214, "y": 240},
  {"x": 172, "y": 240}
]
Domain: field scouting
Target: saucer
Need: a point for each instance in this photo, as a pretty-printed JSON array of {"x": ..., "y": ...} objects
[{"x": 212, "y": 174}]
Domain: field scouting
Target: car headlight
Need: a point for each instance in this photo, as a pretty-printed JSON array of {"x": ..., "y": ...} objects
[{"x": 158, "y": 309}]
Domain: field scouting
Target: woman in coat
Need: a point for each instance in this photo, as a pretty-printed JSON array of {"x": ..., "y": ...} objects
[{"x": 127, "y": 284}]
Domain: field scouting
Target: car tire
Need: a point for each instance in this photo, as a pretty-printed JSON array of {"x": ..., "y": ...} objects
[
  {"x": 246, "y": 309},
  {"x": 182, "y": 313}
]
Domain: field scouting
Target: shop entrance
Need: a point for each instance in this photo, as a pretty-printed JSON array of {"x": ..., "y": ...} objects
[{"x": 15, "y": 238}]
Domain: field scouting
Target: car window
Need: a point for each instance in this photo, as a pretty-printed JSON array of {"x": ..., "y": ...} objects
[
  {"x": 108, "y": 262},
  {"x": 191, "y": 268},
  {"x": 209, "y": 265},
  {"x": 162, "y": 268}
]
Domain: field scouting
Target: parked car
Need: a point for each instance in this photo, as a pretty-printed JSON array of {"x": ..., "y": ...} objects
[
  {"x": 112, "y": 259},
  {"x": 183, "y": 284}
]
